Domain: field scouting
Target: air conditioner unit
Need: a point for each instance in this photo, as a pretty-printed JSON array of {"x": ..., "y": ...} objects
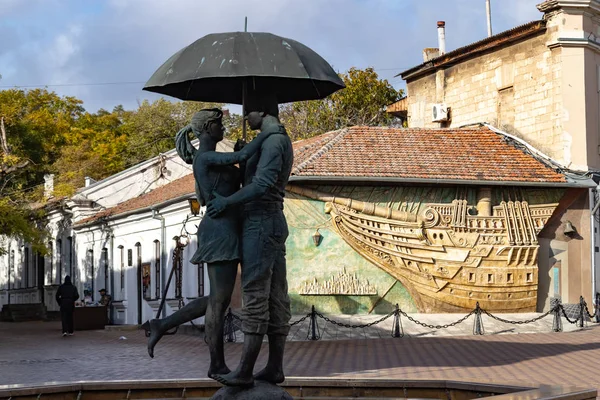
[{"x": 439, "y": 113}]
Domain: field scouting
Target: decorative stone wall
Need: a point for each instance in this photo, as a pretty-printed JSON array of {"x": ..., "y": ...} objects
[{"x": 516, "y": 88}]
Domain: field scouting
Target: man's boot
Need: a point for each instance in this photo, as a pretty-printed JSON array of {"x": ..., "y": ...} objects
[
  {"x": 273, "y": 372},
  {"x": 242, "y": 376}
]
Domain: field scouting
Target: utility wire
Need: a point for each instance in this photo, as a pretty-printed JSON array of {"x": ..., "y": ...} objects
[{"x": 122, "y": 83}]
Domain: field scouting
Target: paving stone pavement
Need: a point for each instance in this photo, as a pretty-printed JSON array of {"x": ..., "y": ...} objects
[{"x": 34, "y": 352}]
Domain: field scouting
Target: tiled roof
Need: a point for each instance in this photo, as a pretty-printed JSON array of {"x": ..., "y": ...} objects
[
  {"x": 509, "y": 36},
  {"x": 177, "y": 188},
  {"x": 470, "y": 154},
  {"x": 465, "y": 154}
]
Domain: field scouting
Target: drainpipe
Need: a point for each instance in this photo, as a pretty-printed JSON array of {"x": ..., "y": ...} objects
[
  {"x": 112, "y": 275},
  {"x": 593, "y": 208},
  {"x": 163, "y": 253}
]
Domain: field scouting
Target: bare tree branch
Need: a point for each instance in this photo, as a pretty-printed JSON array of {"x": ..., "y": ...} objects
[{"x": 3, "y": 137}]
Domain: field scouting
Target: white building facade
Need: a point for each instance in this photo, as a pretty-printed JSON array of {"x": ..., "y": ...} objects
[{"x": 118, "y": 234}]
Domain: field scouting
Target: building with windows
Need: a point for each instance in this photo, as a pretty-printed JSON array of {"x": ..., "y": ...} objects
[
  {"x": 538, "y": 82},
  {"x": 116, "y": 234}
]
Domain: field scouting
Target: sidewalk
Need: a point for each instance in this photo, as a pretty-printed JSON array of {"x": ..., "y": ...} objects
[{"x": 34, "y": 353}]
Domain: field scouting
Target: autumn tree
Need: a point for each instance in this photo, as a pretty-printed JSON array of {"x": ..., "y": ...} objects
[
  {"x": 362, "y": 102},
  {"x": 151, "y": 129},
  {"x": 34, "y": 125},
  {"x": 94, "y": 147}
]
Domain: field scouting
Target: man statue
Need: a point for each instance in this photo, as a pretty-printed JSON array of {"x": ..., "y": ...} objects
[
  {"x": 266, "y": 304},
  {"x": 218, "y": 239}
]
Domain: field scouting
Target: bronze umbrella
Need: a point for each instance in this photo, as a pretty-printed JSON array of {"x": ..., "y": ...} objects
[{"x": 224, "y": 67}]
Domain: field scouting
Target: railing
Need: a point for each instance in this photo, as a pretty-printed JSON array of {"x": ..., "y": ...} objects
[{"x": 233, "y": 321}]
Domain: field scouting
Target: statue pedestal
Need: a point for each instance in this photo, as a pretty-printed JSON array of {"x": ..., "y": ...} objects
[{"x": 260, "y": 391}]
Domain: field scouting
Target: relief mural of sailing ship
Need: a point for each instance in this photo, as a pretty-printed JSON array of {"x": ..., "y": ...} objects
[{"x": 449, "y": 256}]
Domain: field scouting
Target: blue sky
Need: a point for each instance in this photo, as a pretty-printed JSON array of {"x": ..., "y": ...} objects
[{"x": 72, "y": 42}]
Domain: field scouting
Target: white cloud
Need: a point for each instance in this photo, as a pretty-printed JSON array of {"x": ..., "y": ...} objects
[{"x": 127, "y": 40}]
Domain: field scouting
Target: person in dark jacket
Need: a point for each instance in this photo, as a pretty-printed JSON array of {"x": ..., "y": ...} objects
[{"x": 66, "y": 296}]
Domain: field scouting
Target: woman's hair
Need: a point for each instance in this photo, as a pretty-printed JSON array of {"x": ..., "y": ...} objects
[
  {"x": 200, "y": 123},
  {"x": 202, "y": 119}
]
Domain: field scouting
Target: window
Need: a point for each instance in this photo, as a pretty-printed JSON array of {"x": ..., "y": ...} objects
[
  {"x": 178, "y": 266},
  {"x": 157, "y": 267},
  {"x": 122, "y": 270},
  {"x": 19, "y": 273},
  {"x": 70, "y": 254},
  {"x": 51, "y": 266},
  {"x": 89, "y": 279},
  {"x": 11, "y": 267},
  {"x": 59, "y": 260},
  {"x": 104, "y": 263},
  {"x": 26, "y": 267}
]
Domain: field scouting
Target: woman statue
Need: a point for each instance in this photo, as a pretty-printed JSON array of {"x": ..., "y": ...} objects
[{"x": 218, "y": 239}]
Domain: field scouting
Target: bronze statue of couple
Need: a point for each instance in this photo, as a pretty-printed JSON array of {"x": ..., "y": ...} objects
[{"x": 244, "y": 225}]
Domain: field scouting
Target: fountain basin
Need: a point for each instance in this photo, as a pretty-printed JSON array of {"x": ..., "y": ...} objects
[{"x": 298, "y": 388}]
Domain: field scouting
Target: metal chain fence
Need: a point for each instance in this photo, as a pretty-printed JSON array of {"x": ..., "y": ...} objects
[{"x": 233, "y": 322}]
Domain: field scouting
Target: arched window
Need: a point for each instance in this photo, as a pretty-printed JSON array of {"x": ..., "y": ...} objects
[
  {"x": 121, "y": 270},
  {"x": 157, "y": 267},
  {"x": 11, "y": 270},
  {"x": 70, "y": 254},
  {"x": 51, "y": 263},
  {"x": 59, "y": 260},
  {"x": 104, "y": 266},
  {"x": 26, "y": 267},
  {"x": 90, "y": 272},
  {"x": 19, "y": 273}
]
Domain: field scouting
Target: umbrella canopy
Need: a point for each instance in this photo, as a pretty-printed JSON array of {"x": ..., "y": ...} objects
[{"x": 218, "y": 66}]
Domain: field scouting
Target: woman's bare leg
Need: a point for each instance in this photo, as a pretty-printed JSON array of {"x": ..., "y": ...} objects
[
  {"x": 192, "y": 310},
  {"x": 222, "y": 277}
]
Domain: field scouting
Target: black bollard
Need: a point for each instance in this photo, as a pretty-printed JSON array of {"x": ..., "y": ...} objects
[
  {"x": 397, "y": 330},
  {"x": 313, "y": 328},
  {"x": 478, "y": 324},
  {"x": 597, "y": 307},
  {"x": 557, "y": 322},
  {"x": 581, "y": 310}
]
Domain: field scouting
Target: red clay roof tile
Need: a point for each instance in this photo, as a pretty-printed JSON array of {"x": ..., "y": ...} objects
[{"x": 475, "y": 153}]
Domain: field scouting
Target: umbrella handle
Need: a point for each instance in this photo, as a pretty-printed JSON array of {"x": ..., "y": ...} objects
[{"x": 244, "y": 91}]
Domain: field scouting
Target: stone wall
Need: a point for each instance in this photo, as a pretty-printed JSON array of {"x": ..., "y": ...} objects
[{"x": 516, "y": 88}]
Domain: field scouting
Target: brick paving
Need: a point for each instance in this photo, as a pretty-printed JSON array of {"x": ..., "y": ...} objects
[{"x": 35, "y": 352}]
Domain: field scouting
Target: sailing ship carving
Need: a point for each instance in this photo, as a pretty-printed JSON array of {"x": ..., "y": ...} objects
[{"x": 451, "y": 255}]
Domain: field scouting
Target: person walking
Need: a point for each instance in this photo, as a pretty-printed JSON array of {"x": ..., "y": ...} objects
[{"x": 66, "y": 296}]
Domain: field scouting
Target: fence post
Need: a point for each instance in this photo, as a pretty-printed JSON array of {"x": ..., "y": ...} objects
[
  {"x": 581, "y": 311},
  {"x": 397, "y": 330},
  {"x": 597, "y": 307},
  {"x": 557, "y": 323},
  {"x": 229, "y": 329},
  {"x": 313, "y": 328},
  {"x": 478, "y": 324}
]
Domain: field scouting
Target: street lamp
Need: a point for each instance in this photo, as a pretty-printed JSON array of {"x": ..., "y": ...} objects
[
  {"x": 317, "y": 237},
  {"x": 194, "y": 206}
]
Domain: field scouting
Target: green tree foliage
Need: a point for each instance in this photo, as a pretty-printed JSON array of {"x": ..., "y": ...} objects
[
  {"x": 47, "y": 133},
  {"x": 35, "y": 124},
  {"x": 152, "y": 127},
  {"x": 94, "y": 147},
  {"x": 362, "y": 102}
]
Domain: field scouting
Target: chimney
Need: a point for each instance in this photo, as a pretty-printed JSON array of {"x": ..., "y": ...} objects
[
  {"x": 430, "y": 53},
  {"x": 488, "y": 11},
  {"x": 48, "y": 185},
  {"x": 89, "y": 181},
  {"x": 442, "y": 37}
]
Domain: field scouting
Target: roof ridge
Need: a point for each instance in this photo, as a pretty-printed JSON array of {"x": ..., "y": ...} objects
[{"x": 324, "y": 149}]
